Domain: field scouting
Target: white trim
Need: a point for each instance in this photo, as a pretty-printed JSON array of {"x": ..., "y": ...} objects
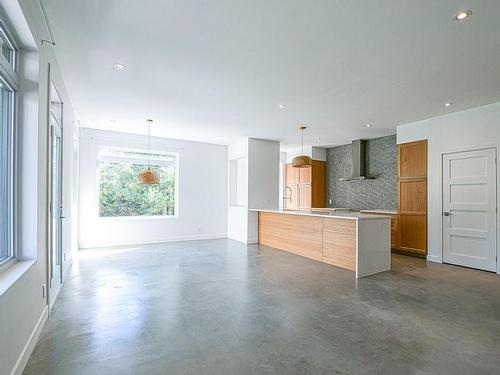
[
  {"x": 68, "y": 268},
  {"x": 30, "y": 344},
  {"x": 173, "y": 239},
  {"x": 10, "y": 275},
  {"x": 138, "y": 217},
  {"x": 434, "y": 259}
]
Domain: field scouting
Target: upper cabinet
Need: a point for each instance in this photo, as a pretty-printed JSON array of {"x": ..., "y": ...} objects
[
  {"x": 412, "y": 198},
  {"x": 413, "y": 159},
  {"x": 307, "y": 185}
]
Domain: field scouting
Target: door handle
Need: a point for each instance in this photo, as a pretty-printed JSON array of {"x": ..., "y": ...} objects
[
  {"x": 62, "y": 217},
  {"x": 446, "y": 213}
]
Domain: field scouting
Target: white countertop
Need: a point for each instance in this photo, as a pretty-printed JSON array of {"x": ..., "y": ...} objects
[
  {"x": 320, "y": 212},
  {"x": 387, "y": 212}
]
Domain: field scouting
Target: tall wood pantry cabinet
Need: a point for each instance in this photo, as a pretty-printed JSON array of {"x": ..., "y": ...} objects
[
  {"x": 307, "y": 186},
  {"x": 412, "y": 198}
]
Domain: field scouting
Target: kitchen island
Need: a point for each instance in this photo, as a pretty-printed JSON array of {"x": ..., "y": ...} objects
[{"x": 358, "y": 242}]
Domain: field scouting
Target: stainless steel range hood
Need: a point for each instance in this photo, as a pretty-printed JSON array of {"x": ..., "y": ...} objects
[{"x": 358, "y": 162}]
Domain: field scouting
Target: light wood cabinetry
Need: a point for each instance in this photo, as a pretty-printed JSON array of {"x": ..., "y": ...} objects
[
  {"x": 357, "y": 244},
  {"x": 339, "y": 243},
  {"x": 308, "y": 186},
  {"x": 301, "y": 235},
  {"x": 412, "y": 198},
  {"x": 394, "y": 231}
]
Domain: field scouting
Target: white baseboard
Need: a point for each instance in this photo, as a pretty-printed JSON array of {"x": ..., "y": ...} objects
[
  {"x": 252, "y": 241},
  {"x": 168, "y": 240},
  {"x": 30, "y": 345},
  {"x": 434, "y": 258},
  {"x": 68, "y": 268}
]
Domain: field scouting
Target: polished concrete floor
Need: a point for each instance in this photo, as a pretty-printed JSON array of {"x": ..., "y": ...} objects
[{"x": 221, "y": 307}]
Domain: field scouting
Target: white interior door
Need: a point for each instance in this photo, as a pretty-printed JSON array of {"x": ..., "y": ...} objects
[
  {"x": 55, "y": 264},
  {"x": 469, "y": 209}
]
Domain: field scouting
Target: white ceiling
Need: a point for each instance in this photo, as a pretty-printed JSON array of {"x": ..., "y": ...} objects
[{"x": 217, "y": 70}]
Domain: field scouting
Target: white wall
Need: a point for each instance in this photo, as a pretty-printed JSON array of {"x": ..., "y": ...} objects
[
  {"x": 260, "y": 160},
  {"x": 263, "y": 181},
  {"x": 202, "y": 193},
  {"x": 263, "y": 173},
  {"x": 412, "y": 132},
  {"x": 23, "y": 309},
  {"x": 237, "y": 215},
  {"x": 474, "y": 128},
  {"x": 316, "y": 153}
]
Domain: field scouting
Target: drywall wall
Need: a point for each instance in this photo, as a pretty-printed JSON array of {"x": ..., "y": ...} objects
[
  {"x": 379, "y": 193},
  {"x": 202, "y": 193},
  {"x": 263, "y": 180},
  {"x": 263, "y": 174},
  {"x": 258, "y": 177},
  {"x": 237, "y": 214},
  {"x": 316, "y": 153},
  {"x": 415, "y": 131},
  {"x": 474, "y": 128},
  {"x": 23, "y": 308}
]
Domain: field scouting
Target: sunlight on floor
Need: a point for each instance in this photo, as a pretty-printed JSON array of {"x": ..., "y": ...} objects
[{"x": 102, "y": 253}]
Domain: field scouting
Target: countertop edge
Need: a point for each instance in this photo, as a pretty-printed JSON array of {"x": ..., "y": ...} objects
[
  {"x": 386, "y": 212},
  {"x": 336, "y": 216}
]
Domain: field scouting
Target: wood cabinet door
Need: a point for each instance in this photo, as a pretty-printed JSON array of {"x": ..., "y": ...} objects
[
  {"x": 291, "y": 175},
  {"x": 412, "y": 198},
  {"x": 304, "y": 196},
  {"x": 318, "y": 182},
  {"x": 394, "y": 231},
  {"x": 304, "y": 175},
  {"x": 413, "y": 159}
]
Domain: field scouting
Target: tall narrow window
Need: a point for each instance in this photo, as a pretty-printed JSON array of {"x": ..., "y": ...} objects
[
  {"x": 121, "y": 195},
  {"x": 8, "y": 85}
]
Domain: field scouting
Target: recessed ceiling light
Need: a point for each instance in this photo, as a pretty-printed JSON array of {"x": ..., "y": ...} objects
[
  {"x": 448, "y": 104},
  {"x": 368, "y": 125},
  {"x": 463, "y": 15},
  {"x": 119, "y": 67},
  {"x": 282, "y": 106}
]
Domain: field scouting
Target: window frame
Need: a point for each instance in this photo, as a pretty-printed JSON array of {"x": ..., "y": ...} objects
[
  {"x": 137, "y": 160},
  {"x": 10, "y": 80}
]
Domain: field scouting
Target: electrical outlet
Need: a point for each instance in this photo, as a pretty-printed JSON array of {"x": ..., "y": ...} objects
[{"x": 329, "y": 201}]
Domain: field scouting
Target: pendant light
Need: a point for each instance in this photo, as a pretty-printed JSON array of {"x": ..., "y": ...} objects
[
  {"x": 148, "y": 175},
  {"x": 302, "y": 161}
]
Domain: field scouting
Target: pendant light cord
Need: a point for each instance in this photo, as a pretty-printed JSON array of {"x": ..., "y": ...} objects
[
  {"x": 149, "y": 139},
  {"x": 302, "y": 142}
]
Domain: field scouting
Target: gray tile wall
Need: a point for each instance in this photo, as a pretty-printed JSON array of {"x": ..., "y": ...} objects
[{"x": 368, "y": 194}]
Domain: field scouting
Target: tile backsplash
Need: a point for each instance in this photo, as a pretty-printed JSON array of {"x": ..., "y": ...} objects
[{"x": 379, "y": 193}]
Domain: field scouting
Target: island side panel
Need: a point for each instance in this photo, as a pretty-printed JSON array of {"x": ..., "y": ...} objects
[
  {"x": 339, "y": 243},
  {"x": 298, "y": 234},
  {"x": 373, "y": 253}
]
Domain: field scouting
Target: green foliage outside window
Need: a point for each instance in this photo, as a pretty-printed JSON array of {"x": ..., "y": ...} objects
[{"x": 121, "y": 195}]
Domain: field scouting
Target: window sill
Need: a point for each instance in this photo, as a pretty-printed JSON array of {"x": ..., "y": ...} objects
[
  {"x": 159, "y": 217},
  {"x": 12, "y": 273}
]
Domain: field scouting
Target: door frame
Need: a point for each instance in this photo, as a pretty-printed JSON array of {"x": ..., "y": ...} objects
[
  {"x": 496, "y": 147},
  {"x": 52, "y": 297}
]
